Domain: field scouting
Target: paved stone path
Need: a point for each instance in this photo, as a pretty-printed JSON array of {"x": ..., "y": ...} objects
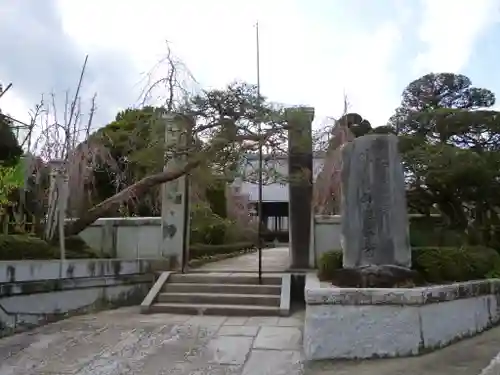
[
  {"x": 125, "y": 342},
  {"x": 273, "y": 260}
]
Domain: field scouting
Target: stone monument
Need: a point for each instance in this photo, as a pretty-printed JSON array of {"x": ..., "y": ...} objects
[{"x": 374, "y": 229}]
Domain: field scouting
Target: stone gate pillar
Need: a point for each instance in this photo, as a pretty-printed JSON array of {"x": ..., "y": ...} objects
[
  {"x": 300, "y": 167},
  {"x": 175, "y": 221}
]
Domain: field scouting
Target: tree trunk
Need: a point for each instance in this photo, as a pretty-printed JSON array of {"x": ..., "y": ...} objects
[{"x": 136, "y": 189}]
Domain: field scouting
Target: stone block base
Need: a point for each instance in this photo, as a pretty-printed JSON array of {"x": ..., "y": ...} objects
[{"x": 355, "y": 323}]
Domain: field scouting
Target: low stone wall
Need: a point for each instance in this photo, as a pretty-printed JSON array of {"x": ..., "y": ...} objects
[
  {"x": 125, "y": 237},
  {"x": 374, "y": 322},
  {"x": 35, "y": 292}
]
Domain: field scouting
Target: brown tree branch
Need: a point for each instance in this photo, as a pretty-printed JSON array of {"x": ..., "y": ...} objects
[
  {"x": 128, "y": 193},
  {"x": 140, "y": 187}
]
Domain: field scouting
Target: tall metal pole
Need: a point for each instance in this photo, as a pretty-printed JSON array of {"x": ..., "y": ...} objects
[{"x": 259, "y": 124}]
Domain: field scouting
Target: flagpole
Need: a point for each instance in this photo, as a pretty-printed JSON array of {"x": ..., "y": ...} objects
[{"x": 259, "y": 124}]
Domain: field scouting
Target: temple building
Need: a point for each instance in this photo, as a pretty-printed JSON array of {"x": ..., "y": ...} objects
[{"x": 275, "y": 191}]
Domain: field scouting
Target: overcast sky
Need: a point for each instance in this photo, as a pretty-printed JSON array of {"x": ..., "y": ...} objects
[{"x": 312, "y": 52}]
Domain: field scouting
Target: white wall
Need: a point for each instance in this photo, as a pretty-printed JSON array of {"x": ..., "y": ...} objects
[
  {"x": 275, "y": 192},
  {"x": 36, "y": 292},
  {"x": 326, "y": 234},
  {"x": 125, "y": 238},
  {"x": 17, "y": 271}
]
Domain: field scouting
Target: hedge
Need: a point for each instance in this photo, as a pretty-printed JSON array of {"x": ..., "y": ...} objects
[
  {"x": 432, "y": 231},
  {"x": 26, "y": 247},
  {"x": 435, "y": 264}
]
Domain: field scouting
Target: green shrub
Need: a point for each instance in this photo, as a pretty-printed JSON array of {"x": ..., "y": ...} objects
[
  {"x": 25, "y": 247},
  {"x": 329, "y": 262},
  {"x": 432, "y": 231},
  {"x": 18, "y": 246},
  {"x": 435, "y": 264},
  {"x": 445, "y": 264},
  {"x": 203, "y": 250},
  {"x": 216, "y": 197},
  {"x": 207, "y": 227},
  {"x": 77, "y": 248}
]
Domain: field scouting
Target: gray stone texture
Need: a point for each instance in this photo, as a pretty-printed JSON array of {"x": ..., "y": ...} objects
[
  {"x": 300, "y": 166},
  {"x": 123, "y": 341},
  {"x": 174, "y": 197},
  {"x": 374, "y": 214}
]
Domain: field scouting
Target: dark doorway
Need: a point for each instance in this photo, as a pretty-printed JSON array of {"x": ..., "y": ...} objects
[{"x": 275, "y": 216}]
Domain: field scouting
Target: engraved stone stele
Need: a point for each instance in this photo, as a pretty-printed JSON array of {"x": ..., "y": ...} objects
[
  {"x": 374, "y": 230},
  {"x": 175, "y": 203}
]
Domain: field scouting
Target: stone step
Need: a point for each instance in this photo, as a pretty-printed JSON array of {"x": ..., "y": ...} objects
[
  {"x": 205, "y": 309},
  {"x": 220, "y": 299},
  {"x": 222, "y": 279},
  {"x": 274, "y": 290}
]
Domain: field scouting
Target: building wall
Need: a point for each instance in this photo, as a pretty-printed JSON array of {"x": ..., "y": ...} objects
[{"x": 272, "y": 192}]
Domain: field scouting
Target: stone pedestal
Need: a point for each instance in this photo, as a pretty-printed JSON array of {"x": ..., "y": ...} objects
[
  {"x": 374, "y": 213},
  {"x": 175, "y": 205},
  {"x": 300, "y": 166}
]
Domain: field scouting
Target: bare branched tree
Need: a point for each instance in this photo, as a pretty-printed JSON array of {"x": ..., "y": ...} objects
[
  {"x": 169, "y": 83},
  {"x": 63, "y": 136}
]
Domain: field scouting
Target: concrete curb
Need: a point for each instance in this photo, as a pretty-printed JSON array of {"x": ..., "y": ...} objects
[
  {"x": 286, "y": 281},
  {"x": 154, "y": 291}
]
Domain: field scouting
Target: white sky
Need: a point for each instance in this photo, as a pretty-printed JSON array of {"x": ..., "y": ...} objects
[{"x": 305, "y": 59}]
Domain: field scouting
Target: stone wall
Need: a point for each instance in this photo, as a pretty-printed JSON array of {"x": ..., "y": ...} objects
[
  {"x": 35, "y": 292},
  {"x": 374, "y": 322},
  {"x": 125, "y": 238}
]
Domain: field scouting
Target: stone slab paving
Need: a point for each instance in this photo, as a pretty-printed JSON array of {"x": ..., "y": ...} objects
[
  {"x": 273, "y": 260},
  {"x": 124, "y": 341}
]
